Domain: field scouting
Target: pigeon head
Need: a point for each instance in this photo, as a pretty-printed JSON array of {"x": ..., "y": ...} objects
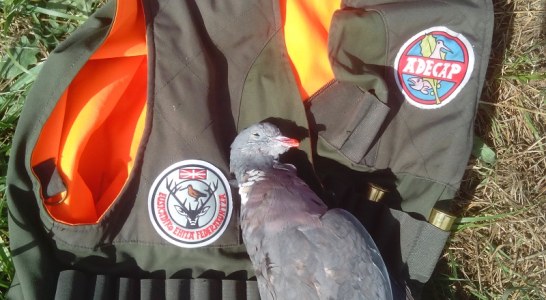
[{"x": 258, "y": 147}]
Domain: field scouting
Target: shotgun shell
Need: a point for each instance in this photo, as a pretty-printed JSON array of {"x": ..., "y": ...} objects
[
  {"x": 441, "y": 219},
  {"x": 375, "y": 193}
]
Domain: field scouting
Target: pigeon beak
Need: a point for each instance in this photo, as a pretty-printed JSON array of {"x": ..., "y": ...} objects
[{"x": 288, "y": 142}]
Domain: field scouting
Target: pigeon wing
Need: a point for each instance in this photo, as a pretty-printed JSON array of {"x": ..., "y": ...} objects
[
  {"x": 332, "y": 260},
  {"x": 300, "y": 251},
  {"x": 352, "y": 263}
]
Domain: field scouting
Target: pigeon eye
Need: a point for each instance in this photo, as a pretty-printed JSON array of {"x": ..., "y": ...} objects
[{"x": 255, "y": 134}]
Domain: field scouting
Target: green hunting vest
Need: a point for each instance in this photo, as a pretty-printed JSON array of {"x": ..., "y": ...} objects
[{"x": 132, "y": 199}]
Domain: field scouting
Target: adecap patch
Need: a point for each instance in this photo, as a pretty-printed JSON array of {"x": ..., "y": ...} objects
[
  {"x": 190, "y": 203},
  {"x": 433, "y": 66}
]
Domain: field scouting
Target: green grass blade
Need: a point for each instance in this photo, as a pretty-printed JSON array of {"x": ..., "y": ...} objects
[
  {"x": 58, "y": 14},
  {"x": 26, "y": 79},
  {"x": 483, "y": 152}
]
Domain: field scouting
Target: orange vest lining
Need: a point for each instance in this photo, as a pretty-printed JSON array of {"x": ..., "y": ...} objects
[{"x": 95, "y": 130}]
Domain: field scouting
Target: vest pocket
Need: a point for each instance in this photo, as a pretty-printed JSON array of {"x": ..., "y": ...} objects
[
  {"x": 87, "y": 147},
  {"x": 347, "y": 119}
]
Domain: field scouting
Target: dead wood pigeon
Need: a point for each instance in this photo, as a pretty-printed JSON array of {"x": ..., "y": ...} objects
[{"x": 298, "y": 248}]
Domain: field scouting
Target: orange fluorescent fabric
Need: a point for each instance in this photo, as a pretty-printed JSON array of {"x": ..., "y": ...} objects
[
  {"x": 306, "y": 25},
  {"x": 94, "y": 131}
]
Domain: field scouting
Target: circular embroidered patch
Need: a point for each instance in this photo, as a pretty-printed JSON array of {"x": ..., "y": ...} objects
[
  {"x": 190, "y": 203},
  {"x": 433, "y": 66}
]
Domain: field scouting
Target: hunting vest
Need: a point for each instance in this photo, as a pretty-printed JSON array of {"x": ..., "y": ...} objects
[{"x": 118, "y": 182}]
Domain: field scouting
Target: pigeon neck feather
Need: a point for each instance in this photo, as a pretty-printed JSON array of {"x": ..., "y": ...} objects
[{"x": 244, "y": 163}]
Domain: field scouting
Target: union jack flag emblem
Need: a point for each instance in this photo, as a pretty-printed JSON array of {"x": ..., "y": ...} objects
[{"x": 189, "y": 173}]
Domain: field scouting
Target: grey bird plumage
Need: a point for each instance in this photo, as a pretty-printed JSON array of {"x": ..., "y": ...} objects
[{"x": 298, "y": 248}]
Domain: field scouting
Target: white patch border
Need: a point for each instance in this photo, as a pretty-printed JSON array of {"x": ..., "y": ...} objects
[
  {"x": 470, "y": 67},
  {"x": 172, "y": 168}
]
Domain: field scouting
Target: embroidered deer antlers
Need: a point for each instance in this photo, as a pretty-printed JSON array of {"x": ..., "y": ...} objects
[{"x": 192, "y": 214}]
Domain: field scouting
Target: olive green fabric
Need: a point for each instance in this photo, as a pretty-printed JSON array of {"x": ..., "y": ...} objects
[
  {"x": 432, "y": 144},
  {"x": 419, "y": 155},
  {"x": 215, "y": 68},
  {"x": 263, "y": 98},
  {"x": 199, "y": 55},
  {"x": 32, "y": 249}
]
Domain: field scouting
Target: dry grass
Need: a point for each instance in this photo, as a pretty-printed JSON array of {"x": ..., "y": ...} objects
[{"x": 498, "y": 250}]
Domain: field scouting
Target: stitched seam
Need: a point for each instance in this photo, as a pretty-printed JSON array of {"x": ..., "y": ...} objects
[
  {"x": 134, "y": 242},
  {"x": 244, "y": 79},
  {"x": 184, "y": 66}
]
